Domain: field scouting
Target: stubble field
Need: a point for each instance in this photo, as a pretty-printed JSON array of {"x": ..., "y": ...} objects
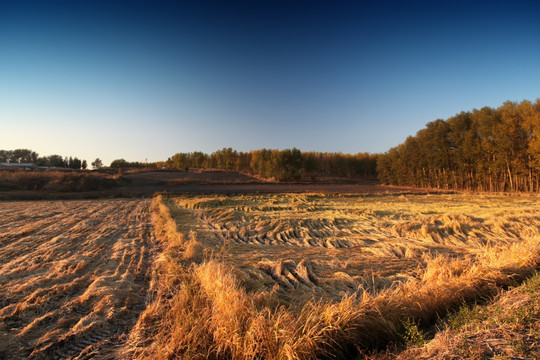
[
  {"x": 72, "y": 276},
  {"x": 253, "y": 276}
]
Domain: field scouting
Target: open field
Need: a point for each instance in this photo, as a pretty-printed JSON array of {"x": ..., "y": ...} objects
[
  {"x": 302, "y": 276},
  {"x": 245, "y": 276},
  {"x": 335, "y": 244},
  {"x": 84, "y": 185},
  {"x": 72, "y": 276},
  {"x": 194, "y": 176},
  {"x": 56, "y": 181}
]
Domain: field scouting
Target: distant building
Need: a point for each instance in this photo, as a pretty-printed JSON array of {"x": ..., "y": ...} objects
[{"x": 26, "y": 166}]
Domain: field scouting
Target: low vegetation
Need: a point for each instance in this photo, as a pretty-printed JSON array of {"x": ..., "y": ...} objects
[
  {"x": 57, "y": 181},
  {"x": 506, "y": 328},
  {"x": 313, "y": 276}
]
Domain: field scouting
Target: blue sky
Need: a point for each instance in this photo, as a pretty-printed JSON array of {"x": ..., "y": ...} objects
[{"x": 146, "y": 79}]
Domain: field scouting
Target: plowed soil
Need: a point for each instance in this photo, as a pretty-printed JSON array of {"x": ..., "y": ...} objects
[{"x": 73, "y": 276}]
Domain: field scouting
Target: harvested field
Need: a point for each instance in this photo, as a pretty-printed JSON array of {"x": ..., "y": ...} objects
[
  {"x": 308, "y": 276},
  {"x": 266, "y": 276},
  {"x": 148, "y": 183},
  {"x": 72, "y": 276},
  {"x": 336, "y": 244},
  {"x": 194, "y": 176}
]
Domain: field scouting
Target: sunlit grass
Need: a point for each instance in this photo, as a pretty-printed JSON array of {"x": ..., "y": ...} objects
[{"x": 307, "y": 276}]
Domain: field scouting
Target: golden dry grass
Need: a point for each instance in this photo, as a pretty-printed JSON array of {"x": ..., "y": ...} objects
[{"x": 313, "y": 276}]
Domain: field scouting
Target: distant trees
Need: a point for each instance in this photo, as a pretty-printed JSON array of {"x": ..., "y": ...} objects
[
  {"x": 29, "y": 156},
  {"x": 97, "y": 164},
  {"x": 119, "y": 164},
  {"x": 52, "y": 161},
  {"x": 74, "y": 163},
  {"x": 18, "y": 156},
  {"x": 57, "y": 161},
  {"x": 487, "y": 150},
  {"x": 288, "y": 164},
  {"x": 123, "y": 164}
]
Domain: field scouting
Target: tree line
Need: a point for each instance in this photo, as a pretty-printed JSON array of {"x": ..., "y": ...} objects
[
  {"x": 288, "y": 164},
  {"x": 484, "y": 150},
  {"x": 491, "y": 149},
  {"x": 124, "y": 164},
  {"x": 29, "y": 156}
]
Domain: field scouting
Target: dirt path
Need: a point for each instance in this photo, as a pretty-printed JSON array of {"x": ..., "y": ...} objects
[{"x": 73, "y": 276}]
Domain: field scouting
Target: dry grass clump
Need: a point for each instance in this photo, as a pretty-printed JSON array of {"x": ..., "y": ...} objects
[
  {"x": 57, "y": 181},
  {"x": 253, "y": 306},
  {"x": 193, "y": 249}
]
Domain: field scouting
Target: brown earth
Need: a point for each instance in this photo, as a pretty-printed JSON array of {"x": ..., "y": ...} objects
[
  {"x": 73, "y": 276},
  {"x": 145, "y": 184}
]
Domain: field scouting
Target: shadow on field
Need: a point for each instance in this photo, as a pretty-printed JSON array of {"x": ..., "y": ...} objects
[{"x": 95, "y": 185}]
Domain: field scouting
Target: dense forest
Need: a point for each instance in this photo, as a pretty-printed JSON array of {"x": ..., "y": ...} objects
[
  {"x": 485, "y": 150},
  {"x": 288, "y": 164}
]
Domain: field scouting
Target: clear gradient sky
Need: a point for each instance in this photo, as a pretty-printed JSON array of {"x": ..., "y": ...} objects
[{"x": 147, "y": 79}]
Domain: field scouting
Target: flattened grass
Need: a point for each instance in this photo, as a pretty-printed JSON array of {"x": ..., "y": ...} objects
[{"x": 215, "y": 306}]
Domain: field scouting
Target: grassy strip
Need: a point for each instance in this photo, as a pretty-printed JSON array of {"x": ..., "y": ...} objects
[
  {"x": 57, "y": 181},
  {"x": 201, "y": 311},
  {"x": 506, "y": 328}
]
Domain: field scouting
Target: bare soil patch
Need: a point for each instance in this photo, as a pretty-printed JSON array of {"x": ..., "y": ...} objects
[
  {"x": 148, "y": 183},
  {"x": 72, "y": 276}
]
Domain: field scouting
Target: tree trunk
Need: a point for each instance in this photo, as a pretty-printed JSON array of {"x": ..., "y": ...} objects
[
  {"x": 510, "y": 175},
  {"x": 531, "y": 184}
]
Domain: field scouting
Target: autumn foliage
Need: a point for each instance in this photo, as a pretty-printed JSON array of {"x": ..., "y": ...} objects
[
  {"x": 482, "y": 150},
  {"x": 288, "y": 164}
]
